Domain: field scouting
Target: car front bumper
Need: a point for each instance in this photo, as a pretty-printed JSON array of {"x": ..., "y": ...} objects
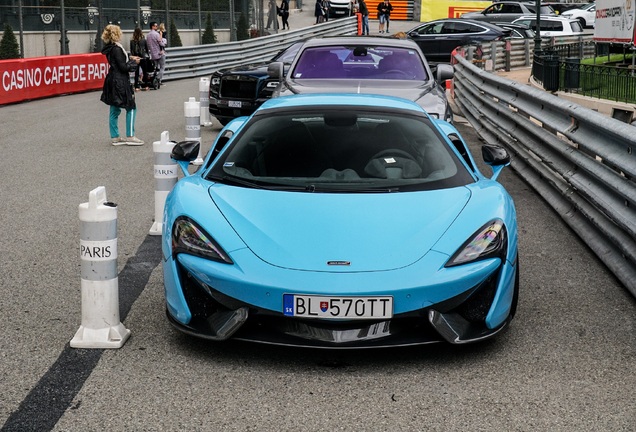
[{"x": 216, "y": 306}]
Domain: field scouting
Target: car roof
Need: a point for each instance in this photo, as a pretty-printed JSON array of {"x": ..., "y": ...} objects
[
  {"x": 546, "y": 17},
  {"x": 487, "y": 24},
  {"x": 361, "y": 40},
  {"x": 350, "y": 99}
]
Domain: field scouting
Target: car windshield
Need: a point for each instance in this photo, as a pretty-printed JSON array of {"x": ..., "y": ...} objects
[
  {"x": 287, "y": 55},
  {"x": 360, "y": 62},
  {"x": 335, "y": 150}
]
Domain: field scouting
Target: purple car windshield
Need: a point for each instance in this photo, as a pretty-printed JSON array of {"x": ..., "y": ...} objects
[{"x": 360, "y": 62}]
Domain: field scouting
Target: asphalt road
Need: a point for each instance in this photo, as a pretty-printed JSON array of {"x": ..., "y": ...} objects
[{"x": 566, "y": 363}]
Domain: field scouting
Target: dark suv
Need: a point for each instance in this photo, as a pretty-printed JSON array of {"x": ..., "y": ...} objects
[
  {"x": 507, "y": 11},
  {"x": 238, "y": 91}
]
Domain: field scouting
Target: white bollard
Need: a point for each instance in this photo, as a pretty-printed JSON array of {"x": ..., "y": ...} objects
[
  {"x": 100, "y": 326},
  {"x": 204, "y": 100},
  {"x": 192, "y": 113},
  {"x": 165, "y": 178}
]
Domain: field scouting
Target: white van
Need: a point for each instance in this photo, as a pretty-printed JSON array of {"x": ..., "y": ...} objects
[{"x": 340, "y": 8}]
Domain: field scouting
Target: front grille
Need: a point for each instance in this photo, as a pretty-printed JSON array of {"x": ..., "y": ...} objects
[{"x": 239, "y": 87}]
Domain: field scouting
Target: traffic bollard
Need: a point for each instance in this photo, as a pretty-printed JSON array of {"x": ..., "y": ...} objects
[
  {"x": 165, "y": 178},
  {"x": 192, "y": 113},
  {"x": 100, "y": 326},
  {"x": 204, "y": 100}
]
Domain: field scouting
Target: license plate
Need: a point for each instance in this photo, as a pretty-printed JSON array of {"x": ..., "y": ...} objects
[
  {"x": 309, "y": 306},
  {"x": 234, "y": 104}
]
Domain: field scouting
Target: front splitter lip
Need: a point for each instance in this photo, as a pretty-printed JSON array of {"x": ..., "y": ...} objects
[{"x": 437, "y": 328}]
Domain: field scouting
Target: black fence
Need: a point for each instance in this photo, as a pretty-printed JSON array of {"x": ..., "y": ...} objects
[
  {"x": 91, "y": 18},
  {"x": 561, "y": 70}
]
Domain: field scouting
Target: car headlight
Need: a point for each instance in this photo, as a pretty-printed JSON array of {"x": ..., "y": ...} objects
[
  {"x": 489, "y": 242},
  {"x": 271, "y": 84},
  {"x": 215, "y": 81},
  {"x": 188, "y": 237}
]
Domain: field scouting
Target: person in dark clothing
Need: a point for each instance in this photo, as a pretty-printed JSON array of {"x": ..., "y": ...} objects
[
  {"x": 138, "y": 48},
  {"x": 117, "y": 91},
  {"x": 284, "y": 13},
  {"x": 325, "y": 7},
  {"x": 319, "y": 12},
  {"x": 364, "y": 11},
  {"x": 384, "y": 14}
]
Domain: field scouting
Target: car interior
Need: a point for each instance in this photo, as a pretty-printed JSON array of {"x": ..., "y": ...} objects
[
  {"x": 341, "y": 147},
  {"x": 359, "y": 62}
]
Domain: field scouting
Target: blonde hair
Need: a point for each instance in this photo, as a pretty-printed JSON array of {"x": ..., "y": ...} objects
[
  {"x": 162, "y": 28},
  {"x": 111, "y": 34}
]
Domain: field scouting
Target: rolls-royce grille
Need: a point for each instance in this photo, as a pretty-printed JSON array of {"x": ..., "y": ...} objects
[{"x": 237, "y": 86}]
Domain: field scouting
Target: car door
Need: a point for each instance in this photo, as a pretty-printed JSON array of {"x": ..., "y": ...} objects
[
  {"x": 428, "y": 36},
  {"x": 457, "y": 33}
]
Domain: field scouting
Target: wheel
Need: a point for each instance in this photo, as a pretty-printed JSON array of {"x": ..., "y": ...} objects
[
  {"x": 156, "y": 84},
  {"x": 583, "y": 23}
]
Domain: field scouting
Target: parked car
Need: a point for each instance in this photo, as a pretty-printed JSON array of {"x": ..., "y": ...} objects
[
  {"x": 552, "y": 25},
  {"x": 340, "y": 221},
  {"x": 560, "y": 7},
  {"x": 585, "y": 14},
  {"x": 517, "y": 31},
  {"x": 439, "y": 38},
  {"x": 239, "y": 90},
  {"x": 377, "y": 65},
  {"x": 340, "y": 8},
  {"x": 507, "y": 11}
]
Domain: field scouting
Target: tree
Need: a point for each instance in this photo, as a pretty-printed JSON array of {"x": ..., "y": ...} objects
[
  {"x": 208, "y": 35},
  {"x": 242, "y": 29},
  {"x": 9, "y": 48},
  {"x": 175, "y": 39}
]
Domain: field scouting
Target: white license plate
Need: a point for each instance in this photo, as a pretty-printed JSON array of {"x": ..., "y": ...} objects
[
  {"x": 337, "y": 307},
  {"x": 234, "y": 104}
]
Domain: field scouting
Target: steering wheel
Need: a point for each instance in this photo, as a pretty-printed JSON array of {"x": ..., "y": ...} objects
[
  {"x": 398, "y": 72},
  {"x": 394, "y": 152}
]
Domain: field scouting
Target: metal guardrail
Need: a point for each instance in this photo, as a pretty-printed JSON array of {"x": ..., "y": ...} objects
[
  {"x": 202, "y": 60},
  {"x": 515, "y": 53},
  {"x": 581, "y": 162}
]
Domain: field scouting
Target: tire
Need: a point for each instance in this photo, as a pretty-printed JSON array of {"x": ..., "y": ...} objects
[{"x": 582, "y": 21}]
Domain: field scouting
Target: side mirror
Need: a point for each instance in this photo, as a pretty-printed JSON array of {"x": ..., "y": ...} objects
[
  {"x": 497, "y": 157},
  {"x": 444, "y": 72},
  {"x": 185, "y": 151},
  {"x": 276, "y": 70}
]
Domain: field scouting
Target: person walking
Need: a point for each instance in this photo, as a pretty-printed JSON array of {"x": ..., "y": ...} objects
[
  {"x": 284, "y": 13},
  {"x": 319, "y": 12},
  {"x": 384, "y": 13},
  {"x": 117, "y": 91},
  {"x": 325, "y": 7},
  {"x": 138, "y": 48},
  {"x": 272, "y": 13},
  {"x": 364, "y": 11},
  {"x": 156, "y": 44}
]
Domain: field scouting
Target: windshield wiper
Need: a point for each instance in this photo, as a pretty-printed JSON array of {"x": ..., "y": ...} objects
[
  {"x": 380, "y": 189},
  {"x": 229, "y": 180}
]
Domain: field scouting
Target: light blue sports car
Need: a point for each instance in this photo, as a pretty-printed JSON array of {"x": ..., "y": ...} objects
[{"x": 340, "y": 221}]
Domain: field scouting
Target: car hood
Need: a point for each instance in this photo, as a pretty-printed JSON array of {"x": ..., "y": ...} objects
[
  {"x": 411, "y": 90},
  {"x": 259, "y": 68},
  {"x": 339, "y": 232}
]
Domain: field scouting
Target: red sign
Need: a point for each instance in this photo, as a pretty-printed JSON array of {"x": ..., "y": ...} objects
[{"x": 39, "y": 77}]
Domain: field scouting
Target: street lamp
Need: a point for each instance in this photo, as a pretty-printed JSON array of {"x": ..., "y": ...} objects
[{"x": 537, "y": 29}]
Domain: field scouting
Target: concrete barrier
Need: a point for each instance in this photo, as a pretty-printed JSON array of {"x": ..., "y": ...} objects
[
  {"x": 100, "y": 327},
  {"x": 166, "y": 175}
]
